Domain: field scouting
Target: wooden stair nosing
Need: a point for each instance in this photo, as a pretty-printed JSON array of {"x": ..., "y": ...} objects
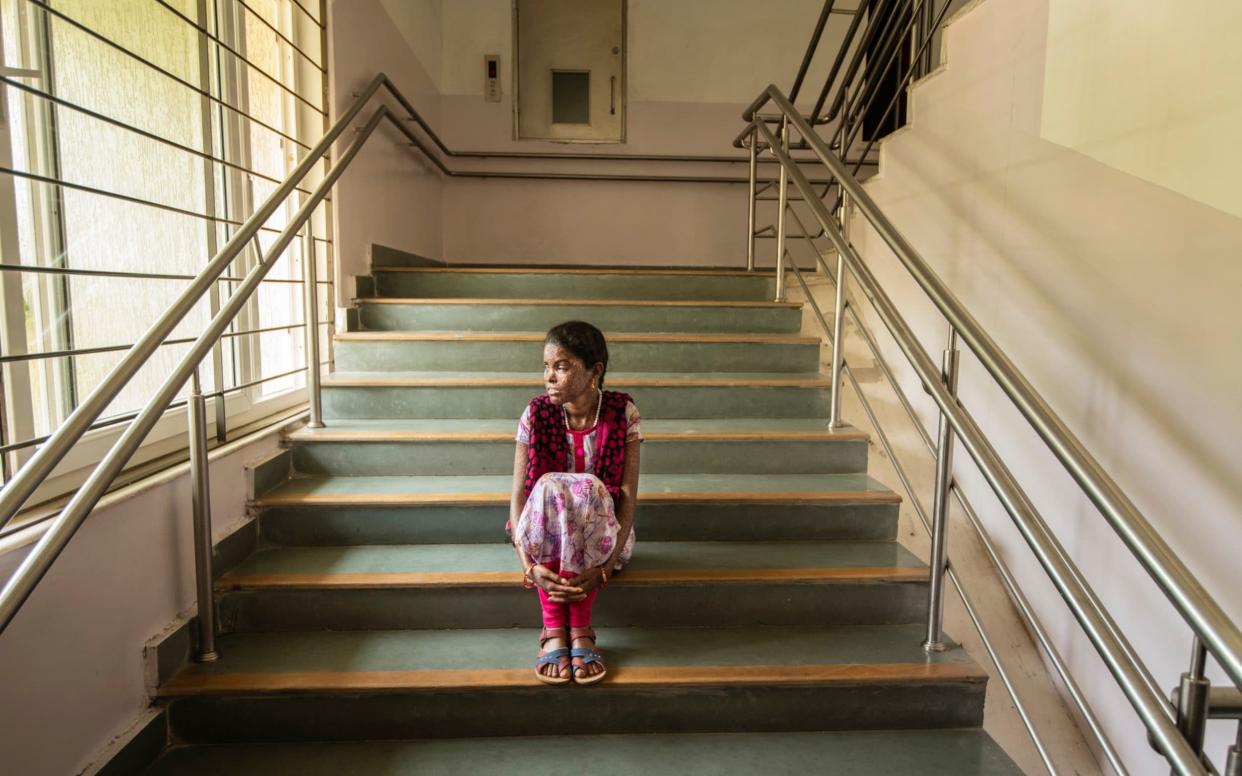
[
  {"x": 311, "y": 436},
  {"x": 277, "y": 499},
  {"x": 546, "y": 270},
  {"x": 631, "y": 676},
  {"x": 616, "y": 337},
  {"x": 381, "y": 381},
  {"x": 456, "y": 579},
  {"x": 410, "y": 300}
]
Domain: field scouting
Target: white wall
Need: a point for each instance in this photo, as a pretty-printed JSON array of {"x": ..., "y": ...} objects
[
  {"x": 1112, "y": 291},
  {"x": 71, "y": 661}
]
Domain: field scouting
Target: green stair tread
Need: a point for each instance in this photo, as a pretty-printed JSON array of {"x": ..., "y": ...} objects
[
  {"x": 892, "y": 753},
  {"x": 503, "y": 648},
  {"x": 756, "y": 484},
  {"x": 508, "y": 426},
  {"x": 499, "y": 557}
]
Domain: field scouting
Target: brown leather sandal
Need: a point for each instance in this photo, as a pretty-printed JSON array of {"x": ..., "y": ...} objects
[{"x": 582, "y": 657}]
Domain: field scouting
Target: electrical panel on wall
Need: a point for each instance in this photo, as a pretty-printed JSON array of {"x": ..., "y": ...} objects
[{"x": 491, "y": 74}]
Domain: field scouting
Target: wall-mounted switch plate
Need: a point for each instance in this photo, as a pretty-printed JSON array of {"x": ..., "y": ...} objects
[{"x": 491, "y": 76}]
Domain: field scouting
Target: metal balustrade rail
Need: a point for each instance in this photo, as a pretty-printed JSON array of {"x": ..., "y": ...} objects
[
  {"x": 877, "y": 35},
  {"x": 1199, "y": 610}
]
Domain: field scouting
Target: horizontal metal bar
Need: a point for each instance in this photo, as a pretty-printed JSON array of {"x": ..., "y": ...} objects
[
  {"x": 135, "y": 275},
  {"x": 263, "y": 20},
  {"x": 1007, "y": 579},
  {"x": 42, "y": 5},
  {"x": 127, "y": 198},
  {"x": 1196, "y": 606},
  {"x": 145, "y": 469},
  {"x": 415, "y": 117},
  {"x": 114, "y": 420},
  {"x": 260, "y": 381},
  {"x": 50, "y": 354},
  {"x": 317, "y": 22},
  {"x": 1131, "y": 675},
  {"x": 35, "y": 565},
  {"x": 34, "y": 471},
  {"x": 137, "y": 131},
  {"x": 238, "y": 55}
]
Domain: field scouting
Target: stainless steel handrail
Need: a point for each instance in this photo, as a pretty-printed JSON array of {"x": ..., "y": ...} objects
[
  {"x": 1188, "y": 596},
  {"x": 967, "y": 604},
  {"x": 40, "y": 465},
  {"x": 1008, "y": 581},
  {"x": 1184, "y": 591}
]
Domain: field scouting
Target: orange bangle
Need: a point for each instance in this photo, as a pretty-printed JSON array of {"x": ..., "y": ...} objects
[
  {"x": 604, "y": 575},
  {"x": 527, "y": 582}
]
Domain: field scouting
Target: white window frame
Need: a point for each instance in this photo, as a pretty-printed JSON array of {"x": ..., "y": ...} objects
[{"x": 237, "y": 409}]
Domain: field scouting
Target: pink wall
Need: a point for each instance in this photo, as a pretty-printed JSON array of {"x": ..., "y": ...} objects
[
  {"x": 390, "y": 195},
  {"x": 71, "y": 662},
  {"x": 597, "y": 222},
  {"x": 1118, "y": 300}
]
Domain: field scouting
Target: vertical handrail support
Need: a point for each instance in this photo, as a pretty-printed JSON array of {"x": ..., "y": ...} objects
[
  {"x": 838, "y": 323},
  {"x": 938, "y": 560},
  {"x": 1193, "y": 698},
  {"x": 782, "y": 204},
  {"x": 310, "y": 285},
  {"x": 200, "y": 500},
  {"x": 751, "y": 202}
]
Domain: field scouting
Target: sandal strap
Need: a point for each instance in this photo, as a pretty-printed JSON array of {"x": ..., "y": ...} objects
[
  {"x": 587, "y": 655},
  {"x": 550, "y": 633},
  {"x": 551, "y": 657},
  {"x": 582, "y": 633}
]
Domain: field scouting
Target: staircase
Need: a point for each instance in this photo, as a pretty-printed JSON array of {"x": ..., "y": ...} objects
[{"x": 769, "y": 621}]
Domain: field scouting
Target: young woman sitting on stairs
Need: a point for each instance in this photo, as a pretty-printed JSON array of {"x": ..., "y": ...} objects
[{"x": 575, "y": 480}]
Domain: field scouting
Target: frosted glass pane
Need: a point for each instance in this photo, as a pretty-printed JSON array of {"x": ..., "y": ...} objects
[{"x": 571, "y": 97}]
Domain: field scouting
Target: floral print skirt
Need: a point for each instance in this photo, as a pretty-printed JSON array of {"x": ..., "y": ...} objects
[{"x": 570, "y": 518}]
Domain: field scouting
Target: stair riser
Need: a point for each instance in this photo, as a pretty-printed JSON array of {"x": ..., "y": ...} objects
[
  {"x": 468, "y": 355},
  {"x": 337, "y": 526},
  {"x": 664, "y": 457},
  {"x": 541, "y": 711},
  {"x": 518, "y": 317},
  {"x": 574, "y": 286},
  {"x": 674, "y": 603},
  {"x": 508, "y": 402}
]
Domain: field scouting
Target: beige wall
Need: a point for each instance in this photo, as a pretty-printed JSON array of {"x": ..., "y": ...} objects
[
  {"x": 1115, "y": 294},
  {"x": 687, "y": 88},
  {"x": 390, "y": 195},
  {"x": 71, "y": 661}
]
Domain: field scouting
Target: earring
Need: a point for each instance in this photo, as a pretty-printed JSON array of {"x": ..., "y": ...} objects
[{"x": 593, "y": 388}]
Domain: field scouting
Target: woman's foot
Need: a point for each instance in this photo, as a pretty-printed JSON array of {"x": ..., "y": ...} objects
[
  {"x": 552, "y": 665},
  {"x": 587, "y": 660}
]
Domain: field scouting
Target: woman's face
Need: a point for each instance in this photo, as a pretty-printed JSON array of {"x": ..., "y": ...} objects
[{"x": 565, "y": 377}]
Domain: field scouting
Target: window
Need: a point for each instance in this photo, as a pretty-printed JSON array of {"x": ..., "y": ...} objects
[{"x": 136, "y": 136}]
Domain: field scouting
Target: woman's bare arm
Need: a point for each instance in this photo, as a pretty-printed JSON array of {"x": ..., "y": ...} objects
[{"x": 627, "y": 502}]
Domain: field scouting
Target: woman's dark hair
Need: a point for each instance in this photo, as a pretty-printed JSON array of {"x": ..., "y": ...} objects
[{"x": 584, "y": 341}]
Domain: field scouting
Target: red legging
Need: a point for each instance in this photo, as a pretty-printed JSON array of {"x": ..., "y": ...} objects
[{"x": 555, "y": 614}]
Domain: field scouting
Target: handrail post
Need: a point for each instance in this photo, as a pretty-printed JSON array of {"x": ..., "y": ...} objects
[
  {"x": 925, "y": 28},
  {"x": 782, "y": 204},
  {"x": 750, "y": 222},
  {"x": 310, "y": 285},
  {"x": 1193, "y": 698},
  {"x": 1233, "y": 761},
  {"x": 838, "y": 322},
  {"x": 940, "y": 506},
  {"x": 200, "y": 500}
]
